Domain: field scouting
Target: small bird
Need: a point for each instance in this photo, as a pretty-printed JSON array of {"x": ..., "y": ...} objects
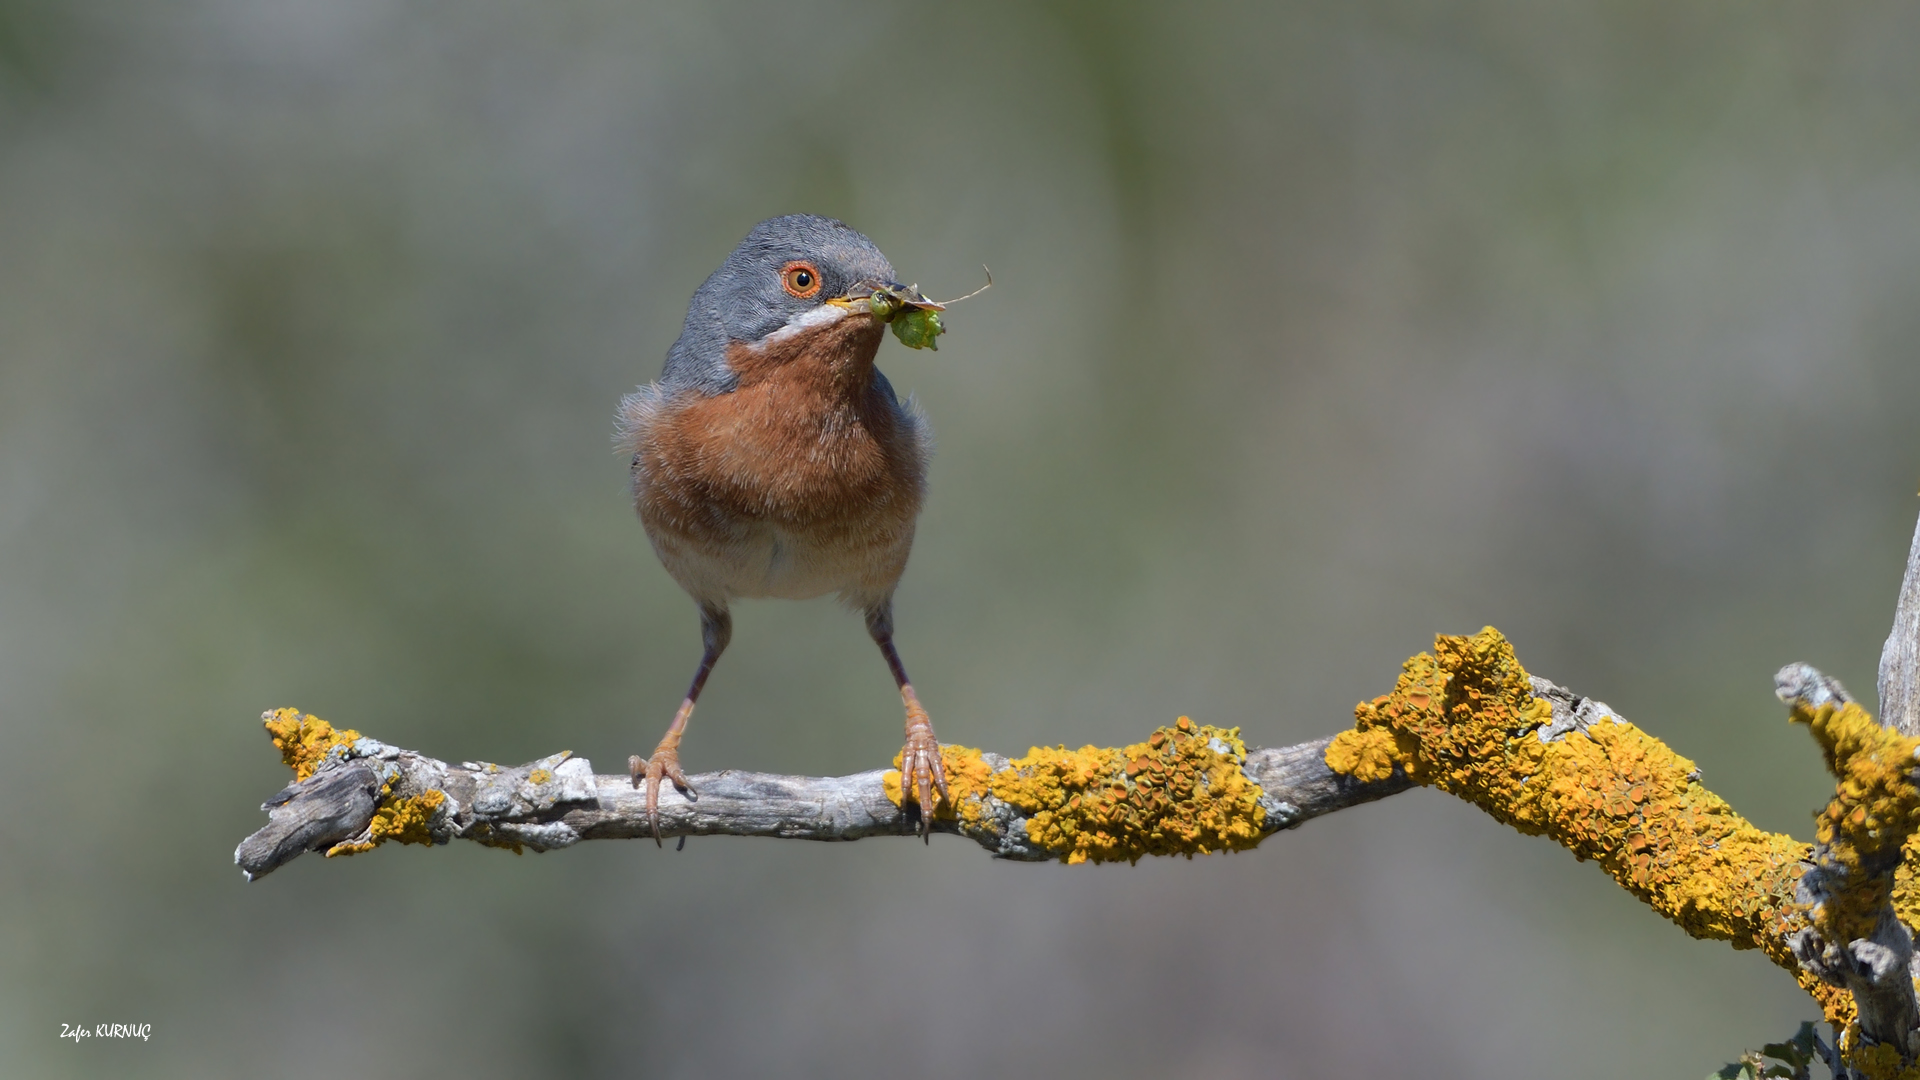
[{"x": 772, "y": 459}]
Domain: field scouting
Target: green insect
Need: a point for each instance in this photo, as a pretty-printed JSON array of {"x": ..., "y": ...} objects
[
  {"x": 918, "y": 327},
  {"x": 915, "y": 319}
]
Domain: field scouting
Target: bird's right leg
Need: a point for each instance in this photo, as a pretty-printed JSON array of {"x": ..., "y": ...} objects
[{"x": 716, "y": 629}]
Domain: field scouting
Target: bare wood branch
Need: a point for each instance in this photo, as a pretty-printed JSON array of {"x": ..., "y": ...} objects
[
  {"x": 1900, "y": 659},
  {"x": 558, "y": 801}
]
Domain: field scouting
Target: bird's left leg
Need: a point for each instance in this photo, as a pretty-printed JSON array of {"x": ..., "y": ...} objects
[
  {"x": 716, "y": 629},
  {"x": 921, "y": 770}
]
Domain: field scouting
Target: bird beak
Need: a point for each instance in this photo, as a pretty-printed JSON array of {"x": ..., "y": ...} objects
[{"x": 885, "y": 299}]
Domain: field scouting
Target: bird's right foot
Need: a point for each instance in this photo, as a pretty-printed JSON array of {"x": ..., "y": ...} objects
[
  {"x": 921, "y": 770},
  {"x": 664, "y": 764}
]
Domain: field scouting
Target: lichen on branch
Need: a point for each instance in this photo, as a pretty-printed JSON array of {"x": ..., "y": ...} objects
[
  {"x": 1181, "y": 792},
  {"x": 1874, "y": 811},
  {"x": 304, "y": 740},
  {"x": 1857, "y": 889},
  {"x": 1468, "y": 720},
  {"x": 308, "y": 743},
  {"x": 1188, "y": 789},
  {"x": 408, "y": 819}
]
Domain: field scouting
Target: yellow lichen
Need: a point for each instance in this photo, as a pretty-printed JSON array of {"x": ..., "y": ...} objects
[
  {"x": 1463, "y": 720},
  {"x": 1174, "y": 794},
  {"x": 1875, "y": 1061},
  {"x": 1906, "y": 883},
  {"x": 405, "y": 820},
  {"x": 1867, "y": 828},
  {"x": 967, "y": 774},
  {"x": 304, "y": 741},
  {"x": 1874, "y": 811},
  {"x": 1369, "y": 755}
]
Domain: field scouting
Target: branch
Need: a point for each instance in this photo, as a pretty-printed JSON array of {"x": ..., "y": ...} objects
[
  {"x": 352, "y": 793},
  {"x": 1900, "y": 659},
  {"x": 1856, "y": 938},
  {"x": 1466, "y": 719}
]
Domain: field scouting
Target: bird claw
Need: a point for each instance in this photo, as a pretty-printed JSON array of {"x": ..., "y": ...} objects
[
  {"x": 922, "y": 771},
  {"x": 665, "y": 763}
]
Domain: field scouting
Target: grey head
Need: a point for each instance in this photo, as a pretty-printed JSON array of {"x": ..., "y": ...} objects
[{"x": 785, "y": 268}]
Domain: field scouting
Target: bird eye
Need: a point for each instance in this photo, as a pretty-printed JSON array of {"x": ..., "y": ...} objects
[{"x": 800, "y": 280}]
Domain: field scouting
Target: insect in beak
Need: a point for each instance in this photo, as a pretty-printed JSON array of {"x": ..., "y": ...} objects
[{"x": 914, "y": 318}]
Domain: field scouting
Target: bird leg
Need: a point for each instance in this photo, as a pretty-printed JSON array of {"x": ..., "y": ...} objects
[
  {"x": 921, "y": 770},
  {"x": 716, "y": 629}
]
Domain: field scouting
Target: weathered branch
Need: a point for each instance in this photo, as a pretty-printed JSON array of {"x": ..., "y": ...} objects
[
  {"x": 1900, "y": 659},
  {"x": 1466, "y": 719},
  {"x": 557, "y": 801},
  {"x": 1856, "y": 940}
]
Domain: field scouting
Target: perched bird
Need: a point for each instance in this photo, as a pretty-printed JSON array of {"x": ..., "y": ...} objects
[{"x": 773, "y": 459}]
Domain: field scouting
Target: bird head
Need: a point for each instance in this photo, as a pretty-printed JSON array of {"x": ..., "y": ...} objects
[{"x": 792, "y": 276}]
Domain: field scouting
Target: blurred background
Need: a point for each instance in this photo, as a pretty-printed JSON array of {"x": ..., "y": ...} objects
[{"x": 1317, "y": 330}]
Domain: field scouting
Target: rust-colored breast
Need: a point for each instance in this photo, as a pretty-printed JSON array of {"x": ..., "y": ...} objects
[{"x": 805, "y": 479}]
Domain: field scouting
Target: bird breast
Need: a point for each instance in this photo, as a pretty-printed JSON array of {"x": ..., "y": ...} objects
[{"x": 804, "y": 479}]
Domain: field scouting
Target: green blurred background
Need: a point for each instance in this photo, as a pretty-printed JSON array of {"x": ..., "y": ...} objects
[{"x": 1318, "y": 329}]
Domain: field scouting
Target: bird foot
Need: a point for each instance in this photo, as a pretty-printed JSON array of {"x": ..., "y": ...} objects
[
  {"x": 664, "y": 764},
  {"x": 921, "y": 770}
]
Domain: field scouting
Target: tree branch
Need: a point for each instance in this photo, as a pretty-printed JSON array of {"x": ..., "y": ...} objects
[
  {"x": 1856, "y": 939},
  {"x": 1900, "y": 659},
  {"x": 1466, "y": 719},
  {"x": 1469, "y": 721},
  {"x": 558, "y": 801}
]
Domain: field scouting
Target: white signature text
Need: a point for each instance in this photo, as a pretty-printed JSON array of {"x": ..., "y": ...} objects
[{"x": 76, "y": 1032}]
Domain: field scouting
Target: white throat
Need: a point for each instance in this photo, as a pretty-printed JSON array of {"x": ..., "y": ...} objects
[{"x": 811, "y": 319}]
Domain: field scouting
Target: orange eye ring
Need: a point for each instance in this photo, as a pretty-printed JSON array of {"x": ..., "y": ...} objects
[{"x": 801, "y": 280}]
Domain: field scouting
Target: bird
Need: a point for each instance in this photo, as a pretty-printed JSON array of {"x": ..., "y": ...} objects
[{"x": 773, "y": 459}]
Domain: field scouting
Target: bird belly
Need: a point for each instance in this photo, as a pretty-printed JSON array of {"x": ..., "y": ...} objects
[
  {"x": 759, "y": 559},
  {"x": 778, "y": 563},
  {"x": 755, "y": 508}
]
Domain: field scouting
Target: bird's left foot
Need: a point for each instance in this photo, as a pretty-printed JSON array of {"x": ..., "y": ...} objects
[{"x": 921, "y": 770}]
